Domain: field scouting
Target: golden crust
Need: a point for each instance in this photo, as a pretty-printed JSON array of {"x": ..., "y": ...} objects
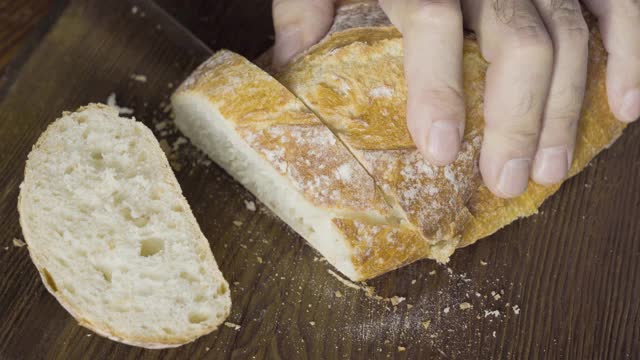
[
  {"x": 336, "y": 81},
  {"x": 380, "y": 248}
]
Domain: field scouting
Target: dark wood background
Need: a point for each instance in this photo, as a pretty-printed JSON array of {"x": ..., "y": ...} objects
[{"x": 573, "y": 271}]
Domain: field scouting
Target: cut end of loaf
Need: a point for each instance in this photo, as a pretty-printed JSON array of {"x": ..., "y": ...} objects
[
  {"x": 112, "y": 236},
  {"x": 201, "y": 121}
]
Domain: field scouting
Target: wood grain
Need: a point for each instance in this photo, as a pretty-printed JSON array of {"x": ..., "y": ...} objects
[
  {"x": 17, "y": 18},
  {"x": 573, "y": 270}
]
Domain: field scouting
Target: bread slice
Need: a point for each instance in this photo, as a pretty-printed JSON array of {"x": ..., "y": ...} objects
[
  {"x": 366, "y": 110},
  {"x": 271, "y": 143},
  {"x": 112, "y": 236}
]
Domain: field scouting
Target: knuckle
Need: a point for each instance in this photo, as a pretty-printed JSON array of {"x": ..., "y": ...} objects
[
  {"x": 567, "y": 20},
  {"x": 531, "y": 35},
  {"x": 448, "y": 99},
  {"x": 440, "y": 11},
  {"x": 525, "y": 136},
  {"x": 561, "y": 122}
]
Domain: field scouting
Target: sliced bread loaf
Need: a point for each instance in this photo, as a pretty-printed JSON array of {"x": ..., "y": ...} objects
[{"x": 112, "y": 236}]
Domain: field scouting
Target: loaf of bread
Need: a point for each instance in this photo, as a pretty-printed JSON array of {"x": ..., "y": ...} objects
[
  {"x": 394, "y": 207},
  {"x": 112, "y": 236}
]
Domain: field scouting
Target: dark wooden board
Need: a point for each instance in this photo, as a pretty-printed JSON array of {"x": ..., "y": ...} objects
[{"x": 573, "y": 270}]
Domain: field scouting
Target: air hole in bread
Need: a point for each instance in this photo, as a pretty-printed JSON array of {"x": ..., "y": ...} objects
[
  {"x": 142, "y": 157},
  {"x": 81, "y": 253},
  {"x": 126, "y": 214},
  {"x": 151, "y": 246},
  {"x": 188, "y": 276},
  {"x": 49, "y": 280},
  {"x": 80, "y": 119},
  {"x": 222, "y": 289},
  {"x": 167, "y": 331},
  {"x": 177, "y": 208},
  {"x": 105, "y": 271},
  {"x": 142, "y": 221},
  {"x": 69, "y": 169},
  {"x": 96, "y": 155},
  {"x": 172, "y": 225},
  {"x": 111, "y": 244},
  {"x": 180, "y": 300},
  {"x": 62, "y": 262},
  {"x": 199, "y": 298},
  {"x": 197, "y": 317}
]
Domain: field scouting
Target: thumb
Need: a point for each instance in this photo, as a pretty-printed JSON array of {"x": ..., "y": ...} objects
[{"x": 298, "y": 25}]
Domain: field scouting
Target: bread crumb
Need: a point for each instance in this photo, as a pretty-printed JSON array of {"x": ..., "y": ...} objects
[
  {"x": 259, "y": 260},
  {"x": 425, "y": 324},
  {"x": 401, "y": 348},
  {"x": 409, "y": 306},
  {"x": 478, "y": 294},
  {"x": 250, "y": 205},
  {"x": 313, "y": 323},
  {"x": 413, "y": 281},
  {"x": 236, "y": 283},
  {"x": 497, "y": 297},
  {"x": 134, "y": 10},
  {"x": 237, "y": 223},
  {"x": 516, "y": 309},
  {"x": 6, "y": 248},
  {"x": 433, "y": 272},
  {"x": 465, "y": 306},
  {"x": 18, "y": 243},
  {"x": 396, "y": 300},
  {"x": 111, "y": 102},
  {"x": 139, "y": 78},
  {"x": 88, "y": 335},
  {"x": 494, "y": 334},
  {"x": 207, "y": 349},
  {"x": 446, "y": 310},
  {"x": 232, "y": 325},
  {"x": 495, "y": 313},
  {"x": 338, "y": 294},
  {"x": 483, "y": 263}
]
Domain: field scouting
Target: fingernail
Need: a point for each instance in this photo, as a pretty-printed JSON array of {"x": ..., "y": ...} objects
[
  {"x": 551, "y": 165},
  {"x": 630, "y": 110},
  {"x": 444, "y": 141},
  {"x": 288, "y": 44},
  {"x": 514, "y": 177}
]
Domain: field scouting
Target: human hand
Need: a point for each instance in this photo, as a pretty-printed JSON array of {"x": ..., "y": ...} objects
[{"x": 535, "y": 83}]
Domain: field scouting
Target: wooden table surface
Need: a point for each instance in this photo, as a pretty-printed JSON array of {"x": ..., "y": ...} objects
[{"x": 562, "y": 284}]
